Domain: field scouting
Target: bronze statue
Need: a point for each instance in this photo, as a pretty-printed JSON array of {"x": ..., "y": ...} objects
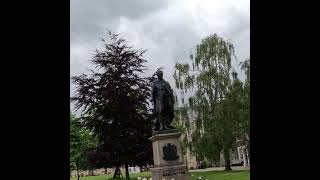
[{"x": 163, "y": 101}]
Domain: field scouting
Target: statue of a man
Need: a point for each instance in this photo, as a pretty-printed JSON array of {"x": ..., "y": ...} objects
[{"x": 163, "y": 101}]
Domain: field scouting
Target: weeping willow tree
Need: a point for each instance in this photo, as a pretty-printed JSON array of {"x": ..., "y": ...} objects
[{"x": 207, "y": 79}]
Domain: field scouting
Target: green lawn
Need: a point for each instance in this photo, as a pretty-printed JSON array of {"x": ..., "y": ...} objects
[
  {"x": 109, "y": 176},
  {"x": 212, "y": 175},
  {"x": 222, "y": 175}
]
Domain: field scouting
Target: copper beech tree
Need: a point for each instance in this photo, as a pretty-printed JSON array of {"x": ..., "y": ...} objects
[{"x": 114, "y": 100}]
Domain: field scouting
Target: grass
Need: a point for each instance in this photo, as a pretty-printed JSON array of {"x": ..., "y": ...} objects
[
  {"x": 211, "y": 175},
  {"x": 222, "y": 175},
  {"x": 109, "y": 176}
]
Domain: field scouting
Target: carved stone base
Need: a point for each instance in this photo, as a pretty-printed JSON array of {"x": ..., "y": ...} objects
[
  {"x": 169, "y": 162},
  {"x": 178, "y": 172}
]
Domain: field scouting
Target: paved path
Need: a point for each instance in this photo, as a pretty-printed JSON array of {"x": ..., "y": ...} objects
[{"x": 219, "y": 169}]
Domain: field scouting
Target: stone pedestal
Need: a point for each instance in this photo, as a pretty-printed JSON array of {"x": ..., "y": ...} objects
[{"x": 169, "y": 162}]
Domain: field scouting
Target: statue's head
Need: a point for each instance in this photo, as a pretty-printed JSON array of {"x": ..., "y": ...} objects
[{"x": 159, "y": 74}]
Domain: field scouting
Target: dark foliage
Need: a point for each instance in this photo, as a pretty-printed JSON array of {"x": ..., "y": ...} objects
[{"x": 115, "y": 107}]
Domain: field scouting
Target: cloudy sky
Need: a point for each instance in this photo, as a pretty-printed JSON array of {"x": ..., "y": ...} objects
[{"x": 169, "y": 29}]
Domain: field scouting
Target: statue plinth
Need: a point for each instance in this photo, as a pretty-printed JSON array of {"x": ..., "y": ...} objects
[{"x": 169, "y": 162}]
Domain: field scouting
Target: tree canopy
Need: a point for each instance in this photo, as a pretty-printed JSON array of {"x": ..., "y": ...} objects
[
  {"x": 217, "y": 97},
  {"x": 115, "y": 104},
  {"x": 81, "y": 141}
]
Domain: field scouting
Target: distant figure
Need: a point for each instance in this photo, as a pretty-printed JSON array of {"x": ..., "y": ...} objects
[{"x": 163, "y": 101}]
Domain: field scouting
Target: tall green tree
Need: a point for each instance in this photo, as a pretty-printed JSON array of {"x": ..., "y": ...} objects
[
  {"x": 81, "y": 141},
  {"x": 114, "y": 99},
  {"x": 208, "y": 78},
  {"x": 227, "y": 119}
]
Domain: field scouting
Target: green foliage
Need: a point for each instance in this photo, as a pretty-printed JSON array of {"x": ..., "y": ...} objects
[
  {"x": 80, "y": 142},
  {"x": 115, "y": 103},
  {"x": 218, "y": 97},
  {"x": 180, "y": 123}
]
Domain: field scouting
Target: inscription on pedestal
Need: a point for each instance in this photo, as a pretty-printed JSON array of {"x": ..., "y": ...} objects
[{"x": 174, "y": 172}]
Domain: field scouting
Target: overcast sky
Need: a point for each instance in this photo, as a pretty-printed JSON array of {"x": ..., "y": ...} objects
[{"x": 169, "y": 29}]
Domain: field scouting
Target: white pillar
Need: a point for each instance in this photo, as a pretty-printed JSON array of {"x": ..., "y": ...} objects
[
  {"x": 239, "y": 153},
  {"x": 245, "y": 163},
  {"x": 248, "y": 158}
]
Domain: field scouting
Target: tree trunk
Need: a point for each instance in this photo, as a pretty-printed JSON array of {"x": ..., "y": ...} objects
[
  {"x": 117, "y": 173},
  {"x": 127, "y": 172},
  {"x": 248, "y": 147},
  {"x": 91, "y": 172},
  {"x": 78, "y": 176},
  {"x": 216, "y": 162},
  {"x": 216, "y": 159},
  {"x": 226, "y": 155}
]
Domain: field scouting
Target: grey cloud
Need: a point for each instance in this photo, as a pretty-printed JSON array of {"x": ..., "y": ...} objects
[
  {"x": 170, "y": 40},
  {"x": 88, "y": 18},
  {"x": 168, "y": 33}
]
